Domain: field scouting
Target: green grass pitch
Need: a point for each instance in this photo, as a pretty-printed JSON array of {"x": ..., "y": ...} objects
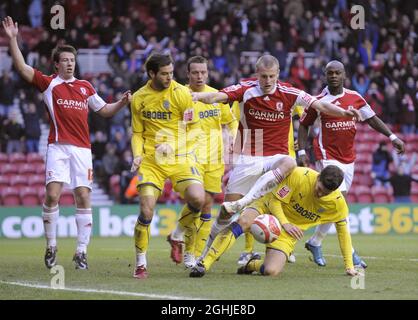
[{"x": 392, "y": 273}]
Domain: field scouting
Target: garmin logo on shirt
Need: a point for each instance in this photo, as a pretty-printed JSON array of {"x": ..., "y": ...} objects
[
  {"x": 266, "y": 115},
  {"x": 340, "y": 125},
  {"x": 157, "y": 115},
  {"x": 73, "y": 104},
  {"x": 209, "y": 113},
  {"x": 305, "y": 213}
]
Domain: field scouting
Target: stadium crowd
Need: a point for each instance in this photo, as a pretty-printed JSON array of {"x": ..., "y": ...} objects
[{"x": 380, "y": 60}]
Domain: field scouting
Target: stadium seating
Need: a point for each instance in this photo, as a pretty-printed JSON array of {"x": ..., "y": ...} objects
[
  {"x": 40, "y": 190},
  {"x": 4, "y": 182},
  {"x": 26, "y": 168},
  {"x": 351, "y": 198},
  {"x": 10, "y": 196},
  {"x": 36, "y": 180},
  {"x": 17, "y": 158},
  {"x": 382, "y": 194},
  {"x": 9, "y": 169},
  {"x": 34, "y": 158},
  {"x": 67, "y": 198},
  {"x": 363, "y": 194},
  {"x": 40, "y": 168},
  {"x": 29, "y": 196},
  {"x": 114, "y": 185},
  {"x": 18, "y": 181},
  {"x": 3, "y": 158}
]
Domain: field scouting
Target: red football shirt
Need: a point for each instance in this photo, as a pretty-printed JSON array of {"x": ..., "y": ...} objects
[
  {"x": 67, "y": 103},
  {"x": 336, "y": 135},
  {"x": 266, "y": 118}
]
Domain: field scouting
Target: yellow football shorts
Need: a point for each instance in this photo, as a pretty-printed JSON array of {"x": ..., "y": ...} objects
[
  {"x": 212, "y": 176},
  {"x": 182, "y": 174}
]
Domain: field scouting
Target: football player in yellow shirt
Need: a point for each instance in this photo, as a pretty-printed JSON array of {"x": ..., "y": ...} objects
[
  {"x": 248, "y": 252},
  {"x": 213, "y": 117},
  {"x": 302, "y": 200},
  {"x": 165, "y": 129}
]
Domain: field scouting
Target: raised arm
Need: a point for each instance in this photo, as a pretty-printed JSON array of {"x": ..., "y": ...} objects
[
  {"x": 333, "y": 110},
  {"x": 381, "y": 127},
  {"x": 111, "y": 109},
  {"x": 210, "y": 97},
  {"x": 11, "y": 29}
]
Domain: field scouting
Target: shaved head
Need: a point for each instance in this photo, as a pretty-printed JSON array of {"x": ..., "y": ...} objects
[
  {"x": 335, "y": 64},
  {"x": 267, "y": 61},
  {"x": 335, "y": 75}
]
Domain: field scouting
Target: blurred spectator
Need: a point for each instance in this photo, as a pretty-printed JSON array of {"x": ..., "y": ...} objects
[
  {"x": 124, "y": 170},
  {"x": 7, "y": 88},
  {"x": 381, "y": 60},
  {"x": 13, "y": 133},
  {"x": 98, "y": 148},
  {"x": 407, "y": 163},
  {"x": 35, "y": 13},
  {"x": 380, "y": 165},
  {"x": 32, "y": 127},
  {"x": 109, "y": 164},
  {"x": 407, "y": 116},
  {"x": 401, "y": 184}
]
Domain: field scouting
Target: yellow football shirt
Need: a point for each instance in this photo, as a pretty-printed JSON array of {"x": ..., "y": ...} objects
[
  {"x": 294, "y": 202},
  {"x": 212, "y": 117},
  {"x": 167, "y": 116}
]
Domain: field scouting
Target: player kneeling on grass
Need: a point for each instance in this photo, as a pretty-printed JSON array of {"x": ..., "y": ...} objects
[{"x": 304, "y": 199}]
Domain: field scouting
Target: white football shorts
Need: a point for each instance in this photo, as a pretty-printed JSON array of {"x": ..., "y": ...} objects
[
  {"x": 69, "y": 164},
  {"x": 347, "y": 168},
  {"x": 247, "y": 170}
]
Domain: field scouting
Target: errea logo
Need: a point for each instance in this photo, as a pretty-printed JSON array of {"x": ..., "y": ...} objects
[{"x": 83, "y": 91}]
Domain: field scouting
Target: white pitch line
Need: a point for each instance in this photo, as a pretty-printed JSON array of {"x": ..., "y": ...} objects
[
  {"x": 365, "y": 257},
  {"x": 99, "y": 291}
]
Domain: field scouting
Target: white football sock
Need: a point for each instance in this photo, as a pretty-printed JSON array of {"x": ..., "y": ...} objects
[
  {"x": 320, "y": 233},
  {"x": 217, "y": 226},
  {"x": 84, "y": 221},
  {"x": 50, "y": 218},
  {"x": 141, "y": 259},
  {"x": 263, "y": 185},
  {"x": 178, "y": 233}
]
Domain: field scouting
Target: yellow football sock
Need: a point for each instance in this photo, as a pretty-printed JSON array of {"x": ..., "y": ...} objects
[
  {"x": 141, "y": 235},
  {"x": 255, "y": 265},
  {"x": 223, "y": 241},
  {"x": 204, "y": 225},
  {"x": 249, "y": 242},
  {"x": 189, "y": 218}
]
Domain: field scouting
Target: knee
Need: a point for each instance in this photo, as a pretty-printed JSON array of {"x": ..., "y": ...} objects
[
  {"x": 52, "y": 198},
  {"x": 245, "y": 222},
  {"x": 288, "y": 164},
  {"x": 147, "y": 210},
  {"x": 272, "y": 271},
  {"x": 82, "y": 198},
  {"x": 196, "y": 199}
]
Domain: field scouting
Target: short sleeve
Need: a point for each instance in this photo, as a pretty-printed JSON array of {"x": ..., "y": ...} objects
[
  {"x": 304, "y": 99},
  {"x": 41, "y": 81},
  {"x": 366, "y": 112},
  {"x": 234, "y": 92},
  {"x": 96, "y": 102},
  {"x": 308, "y": 117}
]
